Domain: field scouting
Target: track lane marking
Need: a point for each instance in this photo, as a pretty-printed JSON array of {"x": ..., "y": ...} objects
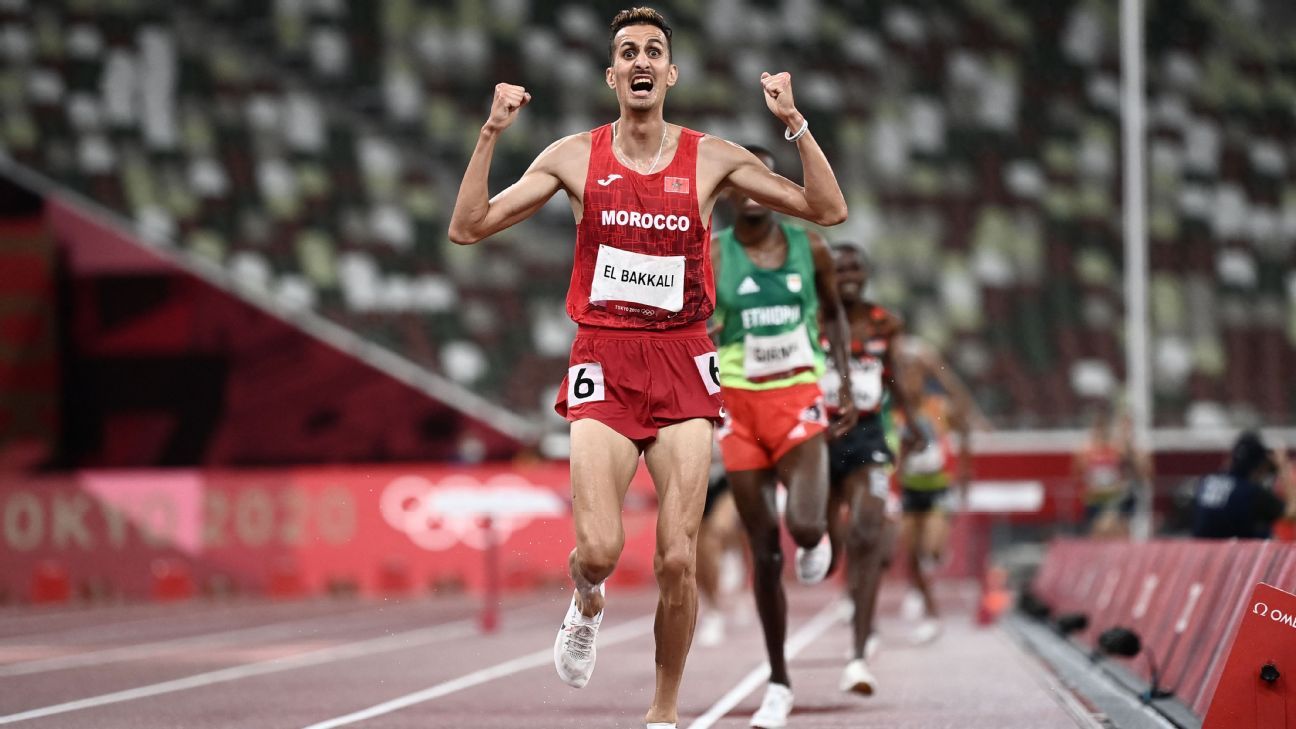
[
  {"x": 804, "y": 636},
  {"x": 84, "y": 659},
  {"x": 346, "y": 651},
  {"x": 168, "y": 613},
  {"x": 619, "y": 634},
  {"x": 141, "y": 650}
]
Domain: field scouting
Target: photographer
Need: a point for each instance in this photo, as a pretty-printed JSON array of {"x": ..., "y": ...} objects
[{"x": 1240, "y": 503}]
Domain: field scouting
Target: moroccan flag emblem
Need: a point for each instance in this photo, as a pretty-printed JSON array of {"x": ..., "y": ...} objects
[{"x": 677, "y": 184}]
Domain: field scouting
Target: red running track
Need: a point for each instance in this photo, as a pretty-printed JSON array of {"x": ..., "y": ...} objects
[{"x": 422, "y": 663}]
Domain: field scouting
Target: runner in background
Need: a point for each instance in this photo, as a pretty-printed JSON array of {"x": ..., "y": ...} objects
[
  {"x": 1110, "y": 470},
  {"x": 944, "y": 408},
  {"x": 772, "y": 279},
  {"x": 861, "y": 459}
]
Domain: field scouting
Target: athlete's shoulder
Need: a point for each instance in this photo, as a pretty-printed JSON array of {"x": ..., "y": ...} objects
[
  {"x": 888, "y": 321},
  {"x": 565, "y": 158},
  {"x": 814, "y": 237},
  {"x": 570, "y": 144},
  {"x": 720, "y": 149}
]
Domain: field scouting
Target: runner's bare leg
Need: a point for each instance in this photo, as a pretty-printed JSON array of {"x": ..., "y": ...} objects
[
  {"x": 865, "y": 552},
  {"x": 754, "y": 492},
  {"x": 678, "y": 460},
  {"x": 602, "y": 463},
  {"x": 914, "y": 530}
]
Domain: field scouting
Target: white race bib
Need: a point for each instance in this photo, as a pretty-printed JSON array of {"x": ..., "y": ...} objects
[
  {"x": 777, "y": 353},
  {"x": 709, "y": 370},
  {"x": 866, "y": 383},
  {"x": 584, "y": 383},
  {"x": 929, "y": 460},
  {"x": 638, "y": 278}
]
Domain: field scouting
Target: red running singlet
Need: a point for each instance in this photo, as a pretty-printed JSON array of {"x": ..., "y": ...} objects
[{"x": 642, "y": 250}]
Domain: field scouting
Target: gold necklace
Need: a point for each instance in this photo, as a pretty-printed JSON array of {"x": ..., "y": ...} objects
[{"x": 634, "y": 164}]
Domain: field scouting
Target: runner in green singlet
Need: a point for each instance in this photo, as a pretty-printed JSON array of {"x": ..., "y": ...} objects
[{"x": 772, "y": 278}]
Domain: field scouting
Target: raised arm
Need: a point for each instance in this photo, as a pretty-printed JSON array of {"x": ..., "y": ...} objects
[
  {"x": 960, "y": 397},
  {"x": 903, "y": 401},
  {"x": 820, "y": 200},
  {"x": 476, "y": 214}
]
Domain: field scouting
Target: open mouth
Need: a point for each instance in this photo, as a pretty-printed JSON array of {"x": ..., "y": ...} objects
[{"x": 641, "y": 85}]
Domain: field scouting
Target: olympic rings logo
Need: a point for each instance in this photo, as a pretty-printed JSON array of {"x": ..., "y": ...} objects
[{"x": 438, "y": 516}]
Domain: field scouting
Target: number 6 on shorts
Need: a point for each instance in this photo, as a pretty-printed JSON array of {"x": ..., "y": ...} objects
[
  {"x": 584, "y": 383},
  {"x": 709, "y": 370}
]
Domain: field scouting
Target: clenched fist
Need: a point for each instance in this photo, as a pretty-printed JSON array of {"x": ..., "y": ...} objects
[
  {"x": 778, "y": 97},
  {"x": 504, "y": 107}
]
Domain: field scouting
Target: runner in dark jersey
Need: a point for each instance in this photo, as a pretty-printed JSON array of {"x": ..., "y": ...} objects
[
  {"x": 860, "y": 461},
  {"x": 772, "y": 280},
  {"x": 643, "y": 377}
]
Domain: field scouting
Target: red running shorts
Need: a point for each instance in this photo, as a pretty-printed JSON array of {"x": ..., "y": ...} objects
[
  {"x": 763, "y": 425},
  {"x": 637, "y": 381}
]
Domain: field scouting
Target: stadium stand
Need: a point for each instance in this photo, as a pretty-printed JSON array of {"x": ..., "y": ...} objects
[{"x": 312, "y": 148}]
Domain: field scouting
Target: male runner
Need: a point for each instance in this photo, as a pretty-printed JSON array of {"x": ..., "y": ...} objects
[
  {"x": 943, "y": 406},
  {"x": 1111, "y": 470},
  {"x": 860, "y": 460},
  {"x": 771, "y": 280},
  {"x": 643, "y": 376}
]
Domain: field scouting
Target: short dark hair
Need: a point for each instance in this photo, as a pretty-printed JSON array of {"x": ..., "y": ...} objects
[
  {"x": 1249, "y": 454},
  {"x": 842, "y": 246},
  {"x": 638, "y": 16}
]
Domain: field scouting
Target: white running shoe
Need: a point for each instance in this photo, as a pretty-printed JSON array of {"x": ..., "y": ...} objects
[
  {"x": 661, "y": 725},
  {"x": 774, "y": 710},
  {"x": 871, "y": 646},
  {"x": 812, "y": 564},
  {"x": 846, "y": 610},
  {"x": 912, "y": 606},
  {"x": 858, "y": 679},
  {"x": 574, "y": 650},
  {"x": 927, "y": 631},
  {"x": 711, "y": 629}
]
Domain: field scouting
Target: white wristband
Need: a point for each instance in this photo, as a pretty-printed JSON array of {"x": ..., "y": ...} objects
[{"x": 805, "y": 127}]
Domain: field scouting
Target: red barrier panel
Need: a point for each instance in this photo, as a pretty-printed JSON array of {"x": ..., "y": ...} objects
[
  {"x": 1191, "y": 568},
  {"x": 293, "y": 532},
  {"x": 1184, "y": 598},
  {"x": 1254, "y": 691},
  {"x": 1253, "y": 564}
]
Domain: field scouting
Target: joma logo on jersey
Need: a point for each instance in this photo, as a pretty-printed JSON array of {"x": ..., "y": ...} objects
[{"x": 646, "y": 220}]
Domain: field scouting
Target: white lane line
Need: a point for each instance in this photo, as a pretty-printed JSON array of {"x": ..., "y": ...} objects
[
  {"x": 141, "y": 650},
  {"x": 346, "y": 651},
  {"x": 803, "y": 637},
  {"x": 620, "y": 634},
  {"x": 170, "y": 613}
]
